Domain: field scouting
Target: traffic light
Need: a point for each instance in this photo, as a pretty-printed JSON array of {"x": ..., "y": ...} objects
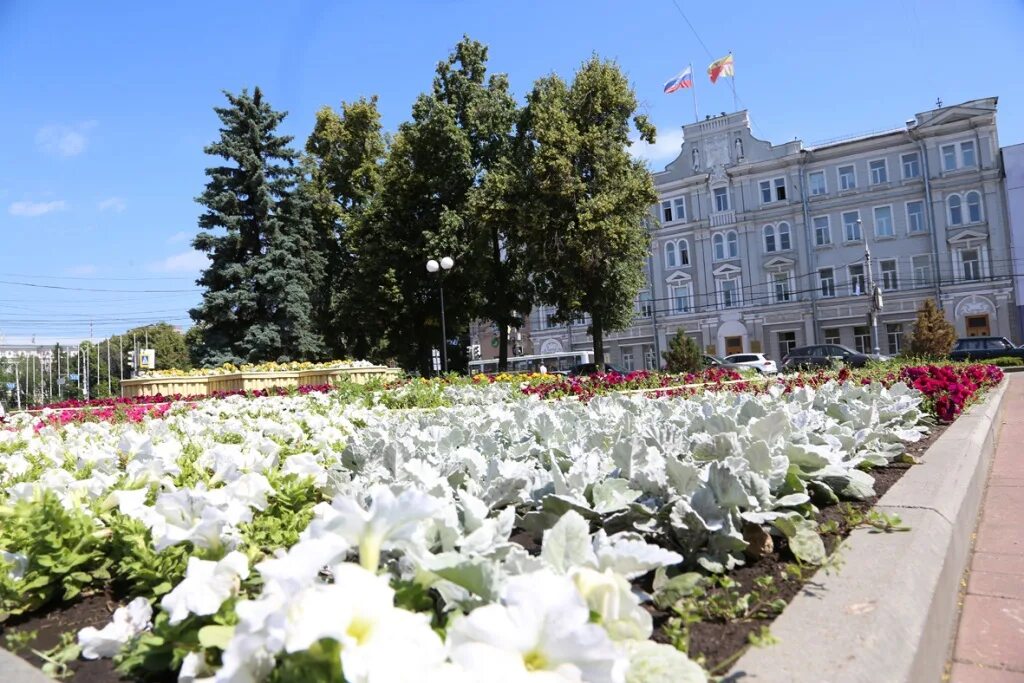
[
  {"x": 131, "y": 360},
  {"x": 476, "y": 352}
]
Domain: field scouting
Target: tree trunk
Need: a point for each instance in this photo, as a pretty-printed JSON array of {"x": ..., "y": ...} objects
[
  {"x": 502, "y": 346},
  {"x": 597, "y": 332}
]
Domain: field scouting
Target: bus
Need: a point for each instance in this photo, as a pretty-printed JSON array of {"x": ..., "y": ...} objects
[{"x": 554, "y": 362}]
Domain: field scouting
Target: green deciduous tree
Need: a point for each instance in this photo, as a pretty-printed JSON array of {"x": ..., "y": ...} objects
[
  {"x": 683, "y": 354},
  {"x": 342, "y": 175},
  {"x": 589, "y": 197},
  {"x": 933, "y": 336},
  {"x": 257, "y": 303}
]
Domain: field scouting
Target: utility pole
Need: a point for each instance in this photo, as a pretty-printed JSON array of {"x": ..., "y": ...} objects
[
  {"x": 876, "y": 297},
  {"x": 120, "y": 361},
  {"x": 17, "y": 384}
]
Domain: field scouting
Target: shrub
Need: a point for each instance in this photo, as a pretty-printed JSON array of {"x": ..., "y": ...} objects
[
  {"x": 683, "y": 354},
  {"x": 933, "y": 336},
  {"x": 1006, "y": 361}
]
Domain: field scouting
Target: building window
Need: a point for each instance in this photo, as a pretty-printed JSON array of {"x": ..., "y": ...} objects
[
  {"x": 851, "y": 226},
  {"x": 721, "y": 199},
  {"x": 949, "y": 157},
  {"x": 781, "y": 289},
  {"x": 831, "y": 335},
  {"x": 879, "y": 172},
  {"x": 784, "y": 241},
  {"x": 970, "y": 262},
  {"x": 967, "y": 157},
  {"x": 627, "y": 360},
  {"x": 894, "y": 335},
  {"x": 857, "y": 285},
  {"x": 862, "y": 339},
  {"x": 769, "y": 238},
  {"x": 889, "y": 275},
  {"x": 827, "y": 278},
  {"x": 718, "y": 242},
  {"x": 732, "y": 244},
  {"x": 956, "y": 211},
  {"x": 883, "y": 222},
  {"x": 729, "y": 292},
  {"x": 670, "y": 255},
  {"x": 847, "y": 178},
  {"x": 922, "y": 265},
  {"x": 644, "y": 304},
  {"x": 773, "y": 190},
  {"x": 679, "y": 208},
  {"x": 787, "y": 342},
  {"x": 681, "y": 298},
  {"x": 816, "y": 181},
  {"x": 666, "y": 211},
  {"x": 915, "y": 217},
  {"x": 911, "y": 165},
  {"x": 973, "y": 201},
  {"x": 822, "y": 231}
]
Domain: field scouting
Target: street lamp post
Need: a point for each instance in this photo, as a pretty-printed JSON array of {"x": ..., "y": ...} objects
[
  {"x": 433, "y": 266},
  {"x": 872, "y": 291}
]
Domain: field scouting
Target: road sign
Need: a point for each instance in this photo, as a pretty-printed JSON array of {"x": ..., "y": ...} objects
[
  {"x": 147, "y": 359},
  {"x": 61, "y": 381},
  {"x": 73, "y": 377},
  {"x": 11, "y": 386}
]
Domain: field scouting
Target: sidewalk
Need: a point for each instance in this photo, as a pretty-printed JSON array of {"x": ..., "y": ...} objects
[{"x": 989, "y": 644}]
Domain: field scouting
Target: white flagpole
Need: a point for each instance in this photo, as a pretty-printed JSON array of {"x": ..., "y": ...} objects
[
  {"x": 693, "y": 87},
  {"x": 732, "y": 84}
]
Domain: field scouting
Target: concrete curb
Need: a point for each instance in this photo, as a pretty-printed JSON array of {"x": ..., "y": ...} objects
[
  {"x": 890, "y": 612},
  {"x": 14, "y": 669}
]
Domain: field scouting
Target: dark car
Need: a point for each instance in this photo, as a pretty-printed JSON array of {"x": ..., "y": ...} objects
[
  {"x": 822, "y": 356},
  {"x": 984, "y": 348},
  {"x": 709, "y": 361},
  {"x": 593, "y": 369}
]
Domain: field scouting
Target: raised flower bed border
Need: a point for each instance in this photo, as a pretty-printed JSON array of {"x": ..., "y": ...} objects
[
  {"x": 252, "y": 381},
  {"x": 890, "y": 612}
]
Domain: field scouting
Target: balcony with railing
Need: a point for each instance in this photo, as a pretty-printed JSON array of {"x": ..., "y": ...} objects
[{"x": 720, "y": 218}]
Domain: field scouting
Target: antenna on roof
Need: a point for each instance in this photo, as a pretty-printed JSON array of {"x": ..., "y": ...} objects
[{"x": 938, "y": 103}]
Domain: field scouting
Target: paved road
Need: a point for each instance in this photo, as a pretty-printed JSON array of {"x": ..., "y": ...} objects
[{"x": 990, "y": 638}]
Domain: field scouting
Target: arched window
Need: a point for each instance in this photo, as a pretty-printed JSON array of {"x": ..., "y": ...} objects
[
  {"x": 684, "y": 253},
  {"x": 956, "y": 212},
  {"x": 719, "y": 244},
  {"x": 769, "y": 238},
  {"x": 733, "y": 244},
  {"x": 670, "y": 254},
  {"x": 974, "y": 207},
  {"x": 784, "y": 242}
]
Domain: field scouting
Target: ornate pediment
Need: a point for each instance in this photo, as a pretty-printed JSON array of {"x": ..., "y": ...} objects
[
  {"x": 779, "y": 262},
  {"x": 966, "y": 236}
]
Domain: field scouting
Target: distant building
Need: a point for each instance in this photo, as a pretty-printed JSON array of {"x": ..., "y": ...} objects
[
  {"x": 485, "y": 334},
  {"x": 1013, "y": 165},
  {"x": 761, "y": 248}
]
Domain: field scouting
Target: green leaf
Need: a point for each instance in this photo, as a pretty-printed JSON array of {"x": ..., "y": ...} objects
[
  {"x": 675, "y": 588},
  {"x": 216, "y": 636}
]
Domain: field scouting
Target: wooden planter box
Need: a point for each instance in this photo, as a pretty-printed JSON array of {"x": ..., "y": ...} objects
[{"x": 205, "y": 385}]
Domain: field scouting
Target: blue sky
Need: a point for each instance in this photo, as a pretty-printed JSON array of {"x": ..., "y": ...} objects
[{"x": 105, "y": 107}]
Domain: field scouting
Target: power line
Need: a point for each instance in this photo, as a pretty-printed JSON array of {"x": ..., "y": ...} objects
[
  {"x": 90, "y": 289},
  {"x": 95, "y": 277}
]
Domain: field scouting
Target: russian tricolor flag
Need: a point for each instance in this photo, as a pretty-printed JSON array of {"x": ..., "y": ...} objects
[{"x": 683, "y": 80}]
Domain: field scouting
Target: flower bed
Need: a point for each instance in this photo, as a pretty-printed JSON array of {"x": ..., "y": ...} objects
[{"x": 301, "y": 537}]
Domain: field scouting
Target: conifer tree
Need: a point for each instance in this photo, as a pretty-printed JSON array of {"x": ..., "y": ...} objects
[
  {"x": 933, "y": 336},
  {"x": 683, "y": 354},
  {"x": 256, "y": 304}
]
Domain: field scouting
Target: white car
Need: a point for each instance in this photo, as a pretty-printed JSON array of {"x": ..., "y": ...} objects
[{"x": 758, "y": 361}]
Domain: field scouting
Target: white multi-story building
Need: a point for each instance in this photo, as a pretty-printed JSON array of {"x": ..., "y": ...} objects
[{"x": 761, "y": 248}]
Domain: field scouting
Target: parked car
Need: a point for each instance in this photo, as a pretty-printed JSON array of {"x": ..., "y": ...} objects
[
  {"x": 758, "y": 361},
  {"x": 710, "y": 361},
  {"x": 823, "y": 356},
  {"x": 593, "y": 369},
  {"x": 984, "y": 348}
]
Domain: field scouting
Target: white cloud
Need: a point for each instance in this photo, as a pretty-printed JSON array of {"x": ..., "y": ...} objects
[
  {"x": 115, "y": 204},
  {"x": 64, "y": 141},
  {"x": 179, "y": 237},
  {"x": 36, "y": 208},
  {"x": 185, "y": 262},
  {"x": 666, "y": 147},
  {"x": 84, "y": 269}
]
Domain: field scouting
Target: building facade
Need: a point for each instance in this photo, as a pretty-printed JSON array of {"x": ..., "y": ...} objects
[
  {"x": 758, "y": 247},
  {"x": 1013, "y": 166}
]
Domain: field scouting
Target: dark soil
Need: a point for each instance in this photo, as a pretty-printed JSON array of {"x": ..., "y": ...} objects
[
  {"x": 51, "y": 624},
  {"x": 716, "y": 644}
]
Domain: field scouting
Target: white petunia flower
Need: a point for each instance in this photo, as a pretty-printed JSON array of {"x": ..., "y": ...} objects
[
  {"x": 194, "y": 669},
  {"x": 651, "y": 662},
  {"x": 389, "y": 522},
  {"x": 127, "y": 622},
  {"x": 206, "y": 586},
  {"x": 541, "y": 631},
  {"x": 610, "y": 597}
]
